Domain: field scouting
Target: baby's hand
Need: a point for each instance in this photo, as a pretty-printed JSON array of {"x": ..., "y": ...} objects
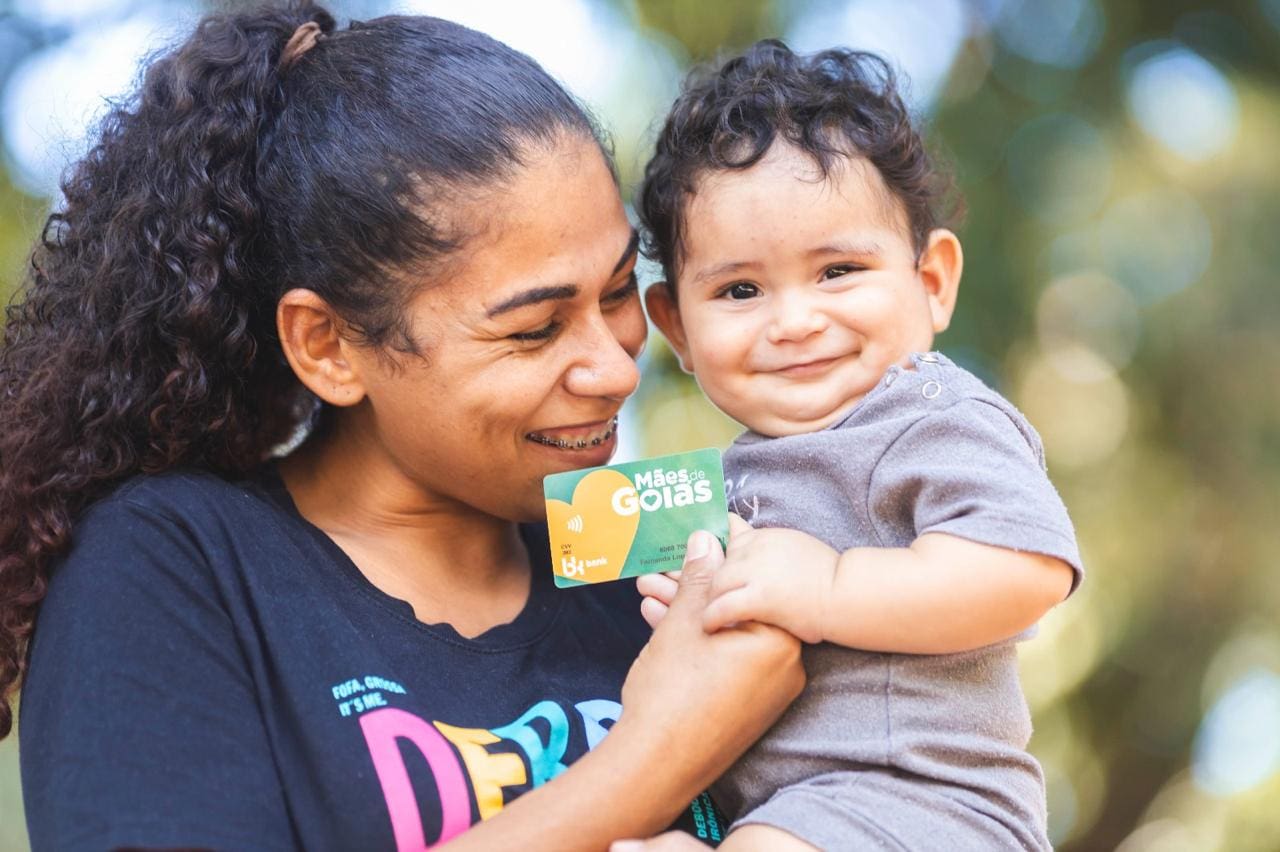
[
  {"x": 659, "y": 591},
  {"x": 776, "y": 576}
]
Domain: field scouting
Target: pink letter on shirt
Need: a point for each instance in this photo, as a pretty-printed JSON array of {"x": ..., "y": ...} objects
[{"x": 381, "y": 730}]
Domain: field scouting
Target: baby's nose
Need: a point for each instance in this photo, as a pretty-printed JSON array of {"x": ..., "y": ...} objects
[{"x": 795, "y": 318}]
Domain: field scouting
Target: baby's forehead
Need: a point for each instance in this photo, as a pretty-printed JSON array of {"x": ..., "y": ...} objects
[{"x": 787, "y": 175}]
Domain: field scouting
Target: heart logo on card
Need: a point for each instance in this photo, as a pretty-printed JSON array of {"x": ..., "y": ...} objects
[{"x": 589, "y": 540}]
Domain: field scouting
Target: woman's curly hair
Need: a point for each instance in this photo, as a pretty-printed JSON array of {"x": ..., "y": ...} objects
[
  {"x": 144, "y": 337},
  {"x": 831, "y": 105}
]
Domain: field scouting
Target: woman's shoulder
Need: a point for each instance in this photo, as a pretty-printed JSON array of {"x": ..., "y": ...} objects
[
  {"x": 155, "y": 524},
  {"x": 142, "y": 639},
  {"x": 202, "y": 504},
  {"x": 187, "y": 494}
]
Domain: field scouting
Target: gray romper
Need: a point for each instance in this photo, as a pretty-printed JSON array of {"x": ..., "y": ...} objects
[{"x": 902, "y": 751}]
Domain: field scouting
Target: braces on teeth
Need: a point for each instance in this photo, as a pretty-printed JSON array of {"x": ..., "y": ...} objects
[{"x": 580, "y": 444}]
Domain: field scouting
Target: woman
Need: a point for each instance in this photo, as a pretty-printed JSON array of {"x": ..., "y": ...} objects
[{"x": 406, "y": 235}]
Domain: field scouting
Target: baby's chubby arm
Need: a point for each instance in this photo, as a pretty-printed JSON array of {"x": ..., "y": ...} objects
[{"x": 941, "y": 595}]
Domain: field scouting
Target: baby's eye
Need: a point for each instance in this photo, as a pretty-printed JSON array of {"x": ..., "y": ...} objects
[
  {"x": 740, "y": 291},
  {"x": 839, "y": 270}
]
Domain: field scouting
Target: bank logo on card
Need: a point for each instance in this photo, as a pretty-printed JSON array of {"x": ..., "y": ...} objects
[{"x": 609, "y": 523}]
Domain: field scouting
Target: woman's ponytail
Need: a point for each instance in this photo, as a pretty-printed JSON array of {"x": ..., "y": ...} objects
[{"x": 143, "y": 338}]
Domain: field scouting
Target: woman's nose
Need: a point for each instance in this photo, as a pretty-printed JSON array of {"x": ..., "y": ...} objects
[
  {"x": 794, "y": 319},
  {"x": 607, "y": 365}
]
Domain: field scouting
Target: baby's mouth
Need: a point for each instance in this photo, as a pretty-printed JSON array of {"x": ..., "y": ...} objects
[
  {"x": 803, "y": 369},
  {"x": 576, "y": 438}
]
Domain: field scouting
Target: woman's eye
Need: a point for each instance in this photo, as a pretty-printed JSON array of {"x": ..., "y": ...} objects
[
  {"x": 547, "y": 332},
  {"x": 623, "y": 293},
  {"x": 741, "y": 291}
]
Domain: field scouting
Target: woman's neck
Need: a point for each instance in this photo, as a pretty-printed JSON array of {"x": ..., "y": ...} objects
[{"x": 451, "y": 562}]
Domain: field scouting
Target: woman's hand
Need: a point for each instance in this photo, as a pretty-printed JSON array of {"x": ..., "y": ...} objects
[
  {"x": 692, "y": 703},
  {"x": 701, "y": 700},
  {"x": 671, "y": 841}
]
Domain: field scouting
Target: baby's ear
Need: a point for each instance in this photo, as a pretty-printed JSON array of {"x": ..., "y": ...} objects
[
  {"x": 940, "y": 267},
  {"x": 664, "y": 310}
]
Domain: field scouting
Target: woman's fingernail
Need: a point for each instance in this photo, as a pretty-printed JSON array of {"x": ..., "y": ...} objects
[
  {"x": 626, "y": 846},
  {"x": 699, "y": 545}
]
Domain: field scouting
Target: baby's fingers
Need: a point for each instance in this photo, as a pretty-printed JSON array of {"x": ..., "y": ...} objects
[
  {"x": 653, "y": 611},
  {"x": 658, "y": 586},
  {"x": 732, "y": 607}
]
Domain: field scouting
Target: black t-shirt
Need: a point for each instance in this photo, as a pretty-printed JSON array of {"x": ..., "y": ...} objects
[{"x": 209, "y": 669}]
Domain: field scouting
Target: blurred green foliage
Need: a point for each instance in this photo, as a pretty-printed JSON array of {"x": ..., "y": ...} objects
[
  {"x": 1122, "y": 293},
  {"x": 708, "y": 29}
]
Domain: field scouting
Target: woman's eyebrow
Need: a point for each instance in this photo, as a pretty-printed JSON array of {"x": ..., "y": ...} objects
[
  {"x": 559, "y": 291},
  {"x": 633, "y": 245},
  {"x": 531, "y": 297}
]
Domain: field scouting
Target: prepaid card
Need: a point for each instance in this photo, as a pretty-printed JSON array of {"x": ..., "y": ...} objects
[{"x": 624, "y": 520}]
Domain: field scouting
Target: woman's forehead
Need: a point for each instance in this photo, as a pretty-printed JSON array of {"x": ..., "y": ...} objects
[{"x": 558, "y": 222}]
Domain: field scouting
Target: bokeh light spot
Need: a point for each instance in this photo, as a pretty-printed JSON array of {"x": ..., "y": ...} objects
[
  {"x": 68, "y": 11},
  {"x": 1063, "y": 802},
  {"x": 1077, "y": 402},
  {"x": 1156, "y": 243},
  {"x": 1160, "y": 835},
  {"x": 624, "y": 76},
  {"x": 1238, "y": 744},
  {"x": 1181, "y": 100},
  {"x": 1059, "y": 168},
  {"x": 573, "y": 40},
  {"x": 1089, "y": 309},
  {"x": 1062, "y": 33},
  {"x": 55, "y": 96},
  {"x": 1252, "y": 647},
  {"x": 921, "y": 38},
  {"x": 1271, "y": 8}
]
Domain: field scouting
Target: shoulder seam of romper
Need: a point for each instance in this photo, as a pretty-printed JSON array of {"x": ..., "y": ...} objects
[{"x": 871, "y": 478}]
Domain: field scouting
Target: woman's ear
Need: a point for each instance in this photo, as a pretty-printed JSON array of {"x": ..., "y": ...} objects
[
  {"x": 664, "y": 310},
  {"x": 320, "y": 355},
  {"x": 941, "y": 264}
]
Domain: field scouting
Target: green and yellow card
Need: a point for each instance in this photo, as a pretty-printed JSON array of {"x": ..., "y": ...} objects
[{"x": 624, "y": 520}]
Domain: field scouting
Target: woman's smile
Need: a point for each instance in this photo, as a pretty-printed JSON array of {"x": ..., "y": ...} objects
[{"x": 587, "y": 439}]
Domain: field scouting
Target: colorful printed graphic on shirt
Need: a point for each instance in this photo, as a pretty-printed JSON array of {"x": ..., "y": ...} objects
[{"x": 473, "y": 762}]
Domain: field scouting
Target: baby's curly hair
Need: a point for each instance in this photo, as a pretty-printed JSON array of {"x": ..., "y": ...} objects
[{"x": 831, "y": 105}]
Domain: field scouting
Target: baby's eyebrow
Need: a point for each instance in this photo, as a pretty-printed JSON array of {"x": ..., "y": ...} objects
[
  {"x": 862, "y": 248},
  {"x": 724, "y": 269}
]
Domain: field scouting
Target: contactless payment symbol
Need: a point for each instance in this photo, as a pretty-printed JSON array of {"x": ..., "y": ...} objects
[{"x": 609, "y": 523}]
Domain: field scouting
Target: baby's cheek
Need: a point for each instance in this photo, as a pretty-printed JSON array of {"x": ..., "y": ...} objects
[{"x": 717, "y": 356}]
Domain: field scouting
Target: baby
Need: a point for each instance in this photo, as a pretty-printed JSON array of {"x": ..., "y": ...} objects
[{"x": 902, "y": 522}]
